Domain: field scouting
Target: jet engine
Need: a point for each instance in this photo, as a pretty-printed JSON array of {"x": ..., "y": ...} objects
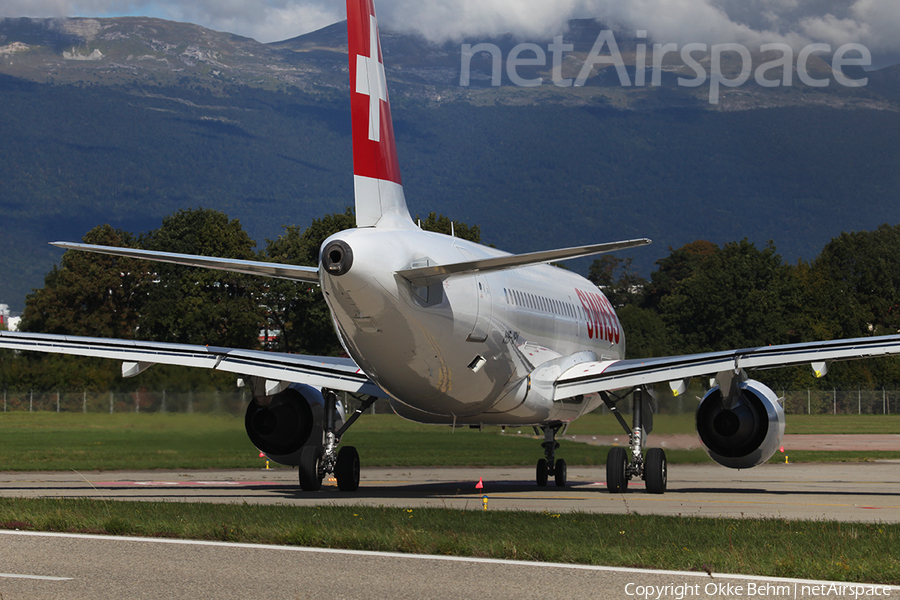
[
  {"x": 292, "y": 419},
  {"x": 743, "y": 429}
]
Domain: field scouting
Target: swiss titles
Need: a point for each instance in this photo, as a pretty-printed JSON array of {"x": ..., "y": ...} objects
[{"x": 601, "y": 318}]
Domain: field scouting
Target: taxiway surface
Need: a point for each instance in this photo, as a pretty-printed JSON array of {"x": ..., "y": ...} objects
[{"x": 831, "y": 491}]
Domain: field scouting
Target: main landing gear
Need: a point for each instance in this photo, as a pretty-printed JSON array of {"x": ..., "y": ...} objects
[
  {"x": 550, "y": 465},
  {"x": 318, "y": 461},
  {"x": 654, "y": 470}
]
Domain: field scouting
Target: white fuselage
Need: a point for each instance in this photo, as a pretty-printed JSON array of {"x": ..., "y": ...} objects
[{"x": 465, "y": 350}]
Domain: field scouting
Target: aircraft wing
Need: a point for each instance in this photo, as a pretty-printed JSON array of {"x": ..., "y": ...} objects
[
  {"x": 592, "y": 377},
  {"x": 321, "y": 371}
]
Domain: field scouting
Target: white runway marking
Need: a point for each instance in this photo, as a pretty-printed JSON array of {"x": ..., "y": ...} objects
[
  {"x": 40, "y": 577},
  {"x": 400, "y": 555},
  {"x": 182, "y": 483}
]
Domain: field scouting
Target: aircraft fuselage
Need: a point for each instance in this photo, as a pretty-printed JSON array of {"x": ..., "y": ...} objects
[{"x": 463, "y": 350}]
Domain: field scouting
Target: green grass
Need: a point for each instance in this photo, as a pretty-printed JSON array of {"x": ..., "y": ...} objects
[
  {"x": 842, "y": 424},
  {"x": 773, "y": 547},
  {"x": 46, "y": 441},
  {"x": 684, "y": 424},
  {"x": 65, "y": 441}
]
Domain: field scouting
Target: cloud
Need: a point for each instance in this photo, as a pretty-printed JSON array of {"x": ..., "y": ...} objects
[
  {"x": 873, "y": 23},
  {"x": 266, "y": 20}
]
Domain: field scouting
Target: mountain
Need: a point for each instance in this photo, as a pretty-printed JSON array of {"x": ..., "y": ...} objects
[
  {"x": 147, "y": 51},
  {"x": 126, "y": 120}
]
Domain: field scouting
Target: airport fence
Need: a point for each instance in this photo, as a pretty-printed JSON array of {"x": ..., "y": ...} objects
[
  {"x": 143, "y": 401},
  {"x": 841, "y": 402},
  {"x": 796, "y": 402},
  {"x": 234, "y": 403},
  {"x": 806, "y": 402}
]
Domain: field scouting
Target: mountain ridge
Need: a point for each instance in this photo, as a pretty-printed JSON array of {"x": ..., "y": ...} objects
[
  {"x": 130, "y": 50},
  {"x": 267, "y": 141}
]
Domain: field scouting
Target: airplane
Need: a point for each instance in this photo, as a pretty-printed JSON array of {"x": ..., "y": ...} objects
[{"x": 456, "y": 333}]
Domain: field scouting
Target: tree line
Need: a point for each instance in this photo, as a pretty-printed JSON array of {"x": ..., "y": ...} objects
[
  {"x": 703, "y": 297},
  {"x": 700, "y": 297},
  {"x": 98, "y": 295}
]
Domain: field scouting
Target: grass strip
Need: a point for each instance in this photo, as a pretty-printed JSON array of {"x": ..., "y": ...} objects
[
  {"x": 853, "y": 552},
  {"x": 85, "y": 442},
  {"x": 842, "y": 424}
]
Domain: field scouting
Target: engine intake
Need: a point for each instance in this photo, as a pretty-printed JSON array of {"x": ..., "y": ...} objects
[
  {"x": 743, "y": 431},
  {"x": 291, "y": 420}
]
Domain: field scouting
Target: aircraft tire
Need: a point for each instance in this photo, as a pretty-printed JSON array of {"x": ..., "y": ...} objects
[
  {"x": 560, "y": 473},
  {"x": 346, "y": 469},
  {"x": 542, "y": 473},
  {"x": 616, "y": 465},
  {"x": 310, "y": 457},
  {"x": 656, "y": 469}
]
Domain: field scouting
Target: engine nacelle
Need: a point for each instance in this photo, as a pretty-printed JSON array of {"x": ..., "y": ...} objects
[
  {"x": 741, "y": 432},
  {"x": 293, "y": 419}
]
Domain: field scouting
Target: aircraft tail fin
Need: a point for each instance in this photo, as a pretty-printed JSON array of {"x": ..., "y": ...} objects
[{"x": 376, "y": 172}]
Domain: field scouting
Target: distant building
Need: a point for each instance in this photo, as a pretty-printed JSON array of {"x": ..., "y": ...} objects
[{"x": 7, "y": 320}]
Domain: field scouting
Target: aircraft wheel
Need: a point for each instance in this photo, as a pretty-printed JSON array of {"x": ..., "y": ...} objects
[
  {"x": 656, "y": 469},
  {"x": 346, "y": 469},
  {"x": 542, "y": 473},
  {"x": 310, "y": 457},
  {"x": 616, "y": 466},
  {"x": 560, "y": 473}
]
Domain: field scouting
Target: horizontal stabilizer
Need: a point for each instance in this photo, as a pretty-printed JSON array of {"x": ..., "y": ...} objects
[
  {"x": 422, "y": 276},
  {"x": 249, "y": 267}
]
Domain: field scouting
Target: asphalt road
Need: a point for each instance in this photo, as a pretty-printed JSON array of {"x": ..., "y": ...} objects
[
  {"x": 838, "y": 491},
  {"x": 61, "y": 566},
  {"x": 64, "y": 566}
]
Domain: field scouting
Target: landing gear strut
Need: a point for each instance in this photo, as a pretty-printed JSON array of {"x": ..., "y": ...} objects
[
  {"x": 318, "y": 461},
  {"x": 654, "y": 470},
  {"x": 549, "y": 465}
]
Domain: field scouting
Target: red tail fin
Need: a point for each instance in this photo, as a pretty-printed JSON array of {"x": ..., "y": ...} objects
[{"x": 376, "y": 172}]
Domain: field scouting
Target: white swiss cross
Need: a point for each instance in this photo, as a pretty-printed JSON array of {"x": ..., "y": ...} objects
[{"x": 371, "y": 82}]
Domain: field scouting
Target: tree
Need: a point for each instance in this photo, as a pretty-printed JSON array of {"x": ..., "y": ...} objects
[
  {"x": 738, "y": 297},
  {"x": 443, "y": 224},
  {"x": 90, "y": 294},
  {"x": 675, "y": 268},
  {"x": 191, "y": 305},
  {"x": 859, "y": 282},
  {"x": 627, "y": 288},
  {"x": 852, "y": 289},
  {"x": 298, "y": 310},
  {"x": 646, "y": 335}
]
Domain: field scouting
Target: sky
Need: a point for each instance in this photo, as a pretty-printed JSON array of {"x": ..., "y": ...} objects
[{"x": 873, "y": 23}]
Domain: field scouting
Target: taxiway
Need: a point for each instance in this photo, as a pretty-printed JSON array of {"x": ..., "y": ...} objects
[{"x": 831, "y": 491}]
